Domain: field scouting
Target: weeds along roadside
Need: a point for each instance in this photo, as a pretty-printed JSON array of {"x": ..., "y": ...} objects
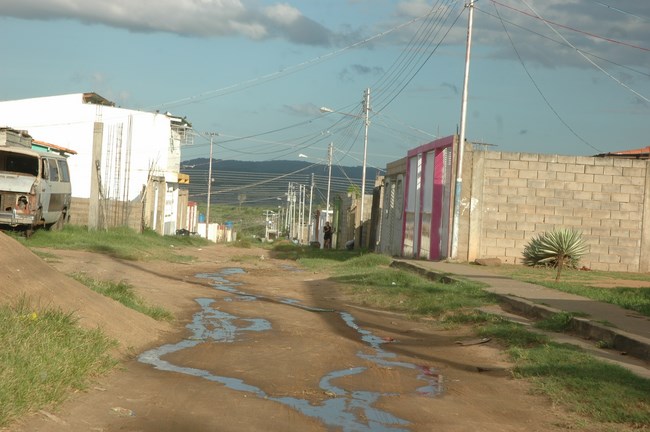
[
  {"x": 44, "y": 353},
  {"x": 602, "y": 395}
]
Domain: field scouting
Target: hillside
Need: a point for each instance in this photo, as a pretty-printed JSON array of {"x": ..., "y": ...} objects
[{"x": 266, "y": 183}]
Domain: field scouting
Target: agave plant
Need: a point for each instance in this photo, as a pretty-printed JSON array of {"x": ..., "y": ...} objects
[{"x": 556, "y": 248}]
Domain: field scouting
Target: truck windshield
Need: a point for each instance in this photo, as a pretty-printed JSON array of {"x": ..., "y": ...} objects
[{"x": 18, "y": 163}]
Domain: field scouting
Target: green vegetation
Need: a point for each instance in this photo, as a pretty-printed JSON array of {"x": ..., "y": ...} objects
[
  {"x": 585, "y": 283},
  {"x": 248, "y": 220},
  {"x": 605, "y": 395},
  {"x": 123, "y": 293},
  {"x": 557, "y": 248},
  {"x": 44, "y": 355},
  {"x": 121, "y": 243},
  {"x": 571, "y": 378},
  {"x": 558, "y": 322}
]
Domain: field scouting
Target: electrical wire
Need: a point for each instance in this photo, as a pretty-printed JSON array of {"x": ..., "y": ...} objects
[
  {"x": 597, "y": 66},
  {"x": 556, "y": 24},
  {"x": 279, "y": 74},
  {"x": 411, "y": 61},
  {"x": 527, "y": 29},
  {"x": 539, "y": 90},
  {"x": 620, "y": 10}
]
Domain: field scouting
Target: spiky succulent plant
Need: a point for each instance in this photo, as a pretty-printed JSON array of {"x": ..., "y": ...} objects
[{"x": 557, "y": 248}]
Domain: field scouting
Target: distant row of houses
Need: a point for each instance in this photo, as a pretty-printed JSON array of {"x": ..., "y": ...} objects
[{"x": 127, "y": 172}]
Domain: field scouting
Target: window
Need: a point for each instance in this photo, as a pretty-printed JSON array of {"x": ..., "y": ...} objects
[
  {"x": 45, "y": 169},
  {"x": 22, "y": 164},
  {"x": 63, "y": 171},
  {"x": 54, "y": 170}
]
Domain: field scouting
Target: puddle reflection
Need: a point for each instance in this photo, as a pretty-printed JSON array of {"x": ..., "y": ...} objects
[{"x": 345, "y": 409}]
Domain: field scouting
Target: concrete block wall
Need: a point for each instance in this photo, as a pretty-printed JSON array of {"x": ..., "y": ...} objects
[
  {"x": 525, "y": 194},
  {"x": 80, "y": 207}
]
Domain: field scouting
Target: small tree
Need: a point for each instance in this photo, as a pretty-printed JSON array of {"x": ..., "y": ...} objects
[
  {"x": 556, "y": 248},
  {"x": 354, "y": 190},
  {"x": 242, "y": 199}
]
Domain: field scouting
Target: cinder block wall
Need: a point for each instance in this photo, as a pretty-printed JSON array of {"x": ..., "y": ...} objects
[
  {"x": 79, "y": 210},
  {"x": 523, "y": 194}
]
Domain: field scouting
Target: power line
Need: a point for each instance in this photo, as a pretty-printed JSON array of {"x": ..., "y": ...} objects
[
  {"x": 539, "y": 90},
  {"x": 286, "y": 71},
  {"x": 587, "y": 58},
  {"x": 620, "y": 10},
  {"x": 564, "y": 26},
  {"x": 527, "y": 29}
]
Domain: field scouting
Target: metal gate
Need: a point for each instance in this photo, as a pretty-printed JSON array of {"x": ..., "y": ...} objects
[{"x": 428, "y": 192}]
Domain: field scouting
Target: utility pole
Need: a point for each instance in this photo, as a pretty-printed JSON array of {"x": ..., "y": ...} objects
[
  {"x": 329, "y": 180},
  {"x": 366, "y": 111},
  {"x": 310, "y": 224},
  {"x": 287, "y": 226},
  {"x": 290, "y": 212},
  {"x": 294, "y": 212},
  {"x": 461, "y": 139},
  {"x": 301, "y": 213},
  {"x": 207, "y": 210}
]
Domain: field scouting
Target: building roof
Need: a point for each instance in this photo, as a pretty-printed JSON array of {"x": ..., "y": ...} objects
[
  {"x": 54, "y": 147},
  {"x": 642, "y": 153},
  {"x": 96, "y": 99}
]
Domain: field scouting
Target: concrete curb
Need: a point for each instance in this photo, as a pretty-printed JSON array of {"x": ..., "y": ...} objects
[
  {"x": 612, "y": 338},
  {"x": 630, "y": 344}
]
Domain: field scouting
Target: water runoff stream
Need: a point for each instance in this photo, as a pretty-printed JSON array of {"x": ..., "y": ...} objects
[{"x": 347, "y": 410}]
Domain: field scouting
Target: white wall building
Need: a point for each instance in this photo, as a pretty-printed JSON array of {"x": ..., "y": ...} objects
[{"x": 127, "y": 163}]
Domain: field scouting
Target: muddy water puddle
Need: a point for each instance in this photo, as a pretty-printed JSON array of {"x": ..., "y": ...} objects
[{"x": 349, "y": 410}]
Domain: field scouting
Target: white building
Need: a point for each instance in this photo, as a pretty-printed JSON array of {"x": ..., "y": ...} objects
[{"x": 126, "y": 170}]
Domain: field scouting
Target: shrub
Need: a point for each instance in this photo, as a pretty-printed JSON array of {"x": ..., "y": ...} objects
[{"x": 557, "y": 248}]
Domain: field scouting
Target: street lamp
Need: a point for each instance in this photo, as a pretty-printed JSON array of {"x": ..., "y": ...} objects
[{"x": 366, "y": 118}]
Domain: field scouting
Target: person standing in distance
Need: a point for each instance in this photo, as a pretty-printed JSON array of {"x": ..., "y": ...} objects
[{"x": 327, "y": 236}]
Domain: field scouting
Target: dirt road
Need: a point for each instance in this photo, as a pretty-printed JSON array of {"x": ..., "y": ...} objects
[{"x": 260, "y": 345}]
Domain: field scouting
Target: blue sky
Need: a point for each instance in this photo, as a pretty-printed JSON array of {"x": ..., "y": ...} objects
[{"x": 547, "y": 76}]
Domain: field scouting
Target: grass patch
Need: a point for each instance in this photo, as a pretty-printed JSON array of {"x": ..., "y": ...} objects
[
  {"x": 511, "y": 334},
  {"x": 572, "y": 378},
  {"x": 43, "y": 355},
  {"x": 123, "y": 293},
  {"x": 402, "y": 291},
  {"x": 591, "y": 388},
  {"x": 559, "y": 322},
  {"x": 582, "y": 283},
  {"x": 310, "y": 257},
  {"x": 123, "y": 243}
]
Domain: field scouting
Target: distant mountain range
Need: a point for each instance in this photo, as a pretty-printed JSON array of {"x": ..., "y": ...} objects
[{"x": 266, "y": 183}]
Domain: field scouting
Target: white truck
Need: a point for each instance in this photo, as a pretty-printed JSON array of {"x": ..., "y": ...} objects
[{"x": 34, "y": 187}]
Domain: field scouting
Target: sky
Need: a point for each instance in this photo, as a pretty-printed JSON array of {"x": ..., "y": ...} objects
[{"x": 569, "y": 77}]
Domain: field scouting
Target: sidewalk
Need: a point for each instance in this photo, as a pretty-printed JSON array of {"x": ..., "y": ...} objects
[{"x": 624, "y": 331}]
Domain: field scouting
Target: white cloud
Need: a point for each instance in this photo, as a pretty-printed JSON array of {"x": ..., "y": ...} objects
[
  {"x": 202, "y": 18},
  {"x": 283, "y": 14},
  {"x": 413, "y": 8}
]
